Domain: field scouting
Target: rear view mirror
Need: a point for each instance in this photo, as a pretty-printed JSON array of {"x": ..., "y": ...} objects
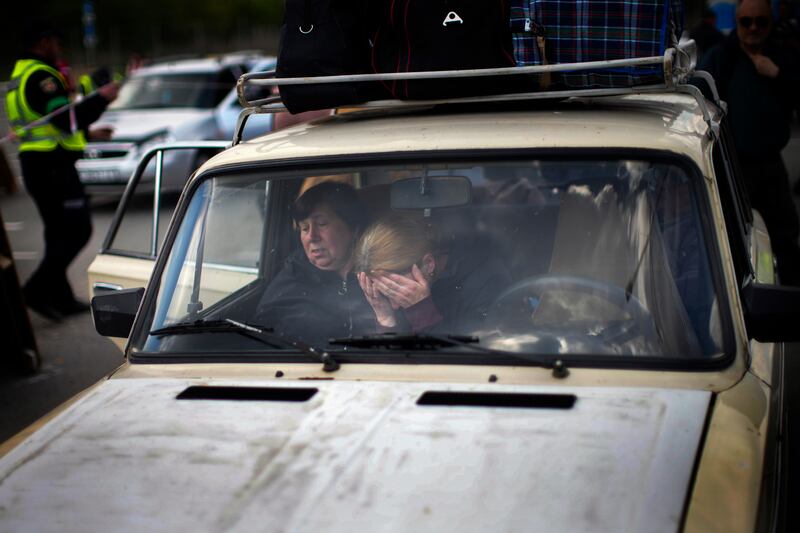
[
  {"x": 114, "y": 313},
  {"x": 772, "y": 312},
  {"x": 431, "y": 192}
]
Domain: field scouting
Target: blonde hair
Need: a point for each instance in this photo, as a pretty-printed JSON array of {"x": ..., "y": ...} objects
[{"x": 394, "y": 244}]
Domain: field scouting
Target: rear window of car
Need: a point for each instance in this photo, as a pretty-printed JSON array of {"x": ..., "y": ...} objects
[{"x": 585, "y": 257}]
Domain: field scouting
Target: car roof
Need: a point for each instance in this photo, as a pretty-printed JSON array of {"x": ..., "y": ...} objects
[
  {"x": 200, "y": 65},
  {"x": 666, "y": 121}
]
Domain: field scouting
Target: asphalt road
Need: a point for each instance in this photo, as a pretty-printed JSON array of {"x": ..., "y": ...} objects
[{"x": 73, "y": 354}]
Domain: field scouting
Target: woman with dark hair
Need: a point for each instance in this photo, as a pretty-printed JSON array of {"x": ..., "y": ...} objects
[{"x": 317, "y": 285}]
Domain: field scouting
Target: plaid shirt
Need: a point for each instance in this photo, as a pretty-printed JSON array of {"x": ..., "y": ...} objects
[{"x": 596, "y": 30}]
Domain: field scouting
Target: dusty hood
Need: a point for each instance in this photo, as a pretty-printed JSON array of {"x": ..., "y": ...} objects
[
  {"x": 137, "y": 125},
  {"x": 356, "y": 456}
]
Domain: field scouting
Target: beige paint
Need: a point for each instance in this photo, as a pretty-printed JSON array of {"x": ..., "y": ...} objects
[
  {"x": 728, "y": 482},
  {"x": 676, "y": 127},
  {"x": 131, "y": 272},
  {"x": 467, "y": 374},
  {"x": 127, "y": 272}
]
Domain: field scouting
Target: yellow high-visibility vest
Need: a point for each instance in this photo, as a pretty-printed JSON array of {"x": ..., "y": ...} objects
[
  {"x": 87, "y": 85},
  {"x": 42, "y": 138}
]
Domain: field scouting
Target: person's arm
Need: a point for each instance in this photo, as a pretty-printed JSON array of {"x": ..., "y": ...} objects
[
  {"x": 385, "y": 316},
  {"x": 46, "y": 93},
  {"x": 423, "y": 315},
  {"x": 412, "y": 295}
]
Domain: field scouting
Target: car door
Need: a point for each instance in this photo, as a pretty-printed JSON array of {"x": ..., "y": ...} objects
[
  {"x": 130, "y": 248},
  {"x": 755, "y": 262}
]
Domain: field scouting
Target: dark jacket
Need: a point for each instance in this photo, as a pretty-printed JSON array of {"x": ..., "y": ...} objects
[
  {"x": 45, "y": 93},
  {"x": 706, "y": 36},
  {"x": 314, "y": 305},
  {"x": 759, "y": 108},
  {"x": 462, "y": 295}
]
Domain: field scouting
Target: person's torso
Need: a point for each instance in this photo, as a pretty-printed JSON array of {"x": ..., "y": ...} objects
[
  {"x": 758, "y": 106},
  {"x": 312, "y": 303},
  {"x": 36, "y": 89}
]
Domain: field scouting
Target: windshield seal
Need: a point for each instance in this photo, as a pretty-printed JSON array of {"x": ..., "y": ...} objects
[{"x": 716, "y": 361}]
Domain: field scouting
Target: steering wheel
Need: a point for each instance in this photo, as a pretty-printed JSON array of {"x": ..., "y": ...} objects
[{"x": 513, "y": 311}]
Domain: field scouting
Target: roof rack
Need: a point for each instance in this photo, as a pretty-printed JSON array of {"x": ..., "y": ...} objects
[{"x": 678, "y": 65}]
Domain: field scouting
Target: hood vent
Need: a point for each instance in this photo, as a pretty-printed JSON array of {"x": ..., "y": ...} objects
[
  {"x": 249, "y": 394},
  {"x": 497, "y": 399}
]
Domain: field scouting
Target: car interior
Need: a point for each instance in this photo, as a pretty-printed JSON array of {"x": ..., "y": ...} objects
[{"x": 604, "y": 254}]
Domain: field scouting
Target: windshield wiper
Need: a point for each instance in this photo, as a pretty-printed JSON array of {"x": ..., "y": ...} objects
[
  {"x": 423, "y": 342},
  {"x": 410, "y": 342},
  {"x": 262, "y": 334}
]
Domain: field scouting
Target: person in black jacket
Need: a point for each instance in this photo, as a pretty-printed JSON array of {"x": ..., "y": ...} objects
[
  {"x": 414, "y": 285},
  {"x": 760, "y": 83},
  {"x": 48, "y": 152},
  {"x": 705, "y": 33},
  {"x": 316, "y": 295}
]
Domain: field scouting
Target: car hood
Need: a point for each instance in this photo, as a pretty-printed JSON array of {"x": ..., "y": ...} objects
[
  {"x": 356, "y": 456},
  {"x": 138, "y": 125}
]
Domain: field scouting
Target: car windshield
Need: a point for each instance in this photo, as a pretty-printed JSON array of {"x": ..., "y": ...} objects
[
  {"x": 189, "y": 90},
  {"x": 584, "y": 257}
]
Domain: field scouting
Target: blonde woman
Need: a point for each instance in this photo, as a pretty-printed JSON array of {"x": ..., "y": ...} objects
[{"x": 414, "y": 284}]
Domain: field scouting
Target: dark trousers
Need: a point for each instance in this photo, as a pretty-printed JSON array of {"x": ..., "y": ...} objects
[
  {"x": 767, "y": 183},
  {"x": 52, "y": 181}
]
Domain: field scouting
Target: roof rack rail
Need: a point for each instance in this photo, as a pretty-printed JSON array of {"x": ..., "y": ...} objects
[{"x": 678, "y": 65}]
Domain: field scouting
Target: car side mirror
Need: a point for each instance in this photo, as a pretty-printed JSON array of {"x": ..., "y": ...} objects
[
  {"x": 114, "y": 313},
  {"x": 772, "y": 312}
]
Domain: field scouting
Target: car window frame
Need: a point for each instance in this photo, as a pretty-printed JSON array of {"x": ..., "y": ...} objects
[
  {"x": 331, "y": 163},
  {"x": 735, "y": 203},
  {"x": 156, "y": 152}
]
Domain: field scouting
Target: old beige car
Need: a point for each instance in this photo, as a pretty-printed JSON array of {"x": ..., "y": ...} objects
[{"x": 613, "y": 361}]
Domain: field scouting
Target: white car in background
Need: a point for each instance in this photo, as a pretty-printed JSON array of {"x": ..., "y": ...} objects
[{"x": 184, "y": 100}]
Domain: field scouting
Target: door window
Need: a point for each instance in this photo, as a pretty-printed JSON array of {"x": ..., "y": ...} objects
[{"x": 145, "y": 213}]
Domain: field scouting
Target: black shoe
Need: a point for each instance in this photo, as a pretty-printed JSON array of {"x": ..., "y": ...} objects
[{"x": 73, "y": 307}]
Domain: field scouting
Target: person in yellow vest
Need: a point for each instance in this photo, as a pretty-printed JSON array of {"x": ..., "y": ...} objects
[
  {"x": 88, "y": 83},
  {"x": 47, "y": 154}
]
